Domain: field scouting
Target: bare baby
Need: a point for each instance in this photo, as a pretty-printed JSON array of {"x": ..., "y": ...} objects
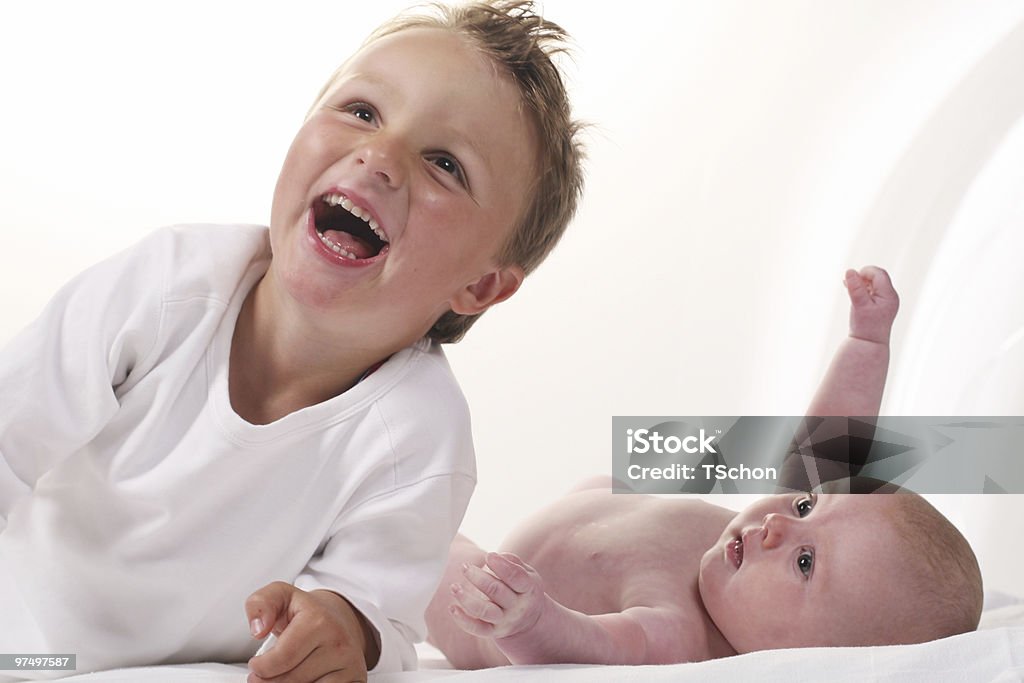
[{"x": 628, "y": 579}]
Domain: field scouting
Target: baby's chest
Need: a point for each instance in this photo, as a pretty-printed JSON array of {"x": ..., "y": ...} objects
[{"x": 607, "y": 568}]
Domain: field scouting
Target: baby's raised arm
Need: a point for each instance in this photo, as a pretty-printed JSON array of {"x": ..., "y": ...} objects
[
  {"x": 855, "y": 379},
  {"x": 852, "y": 386}
]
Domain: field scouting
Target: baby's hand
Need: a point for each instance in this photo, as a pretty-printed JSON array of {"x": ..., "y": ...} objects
[
  {"x": 873, "y": 304},
  {"x": 505, "y": 601}
]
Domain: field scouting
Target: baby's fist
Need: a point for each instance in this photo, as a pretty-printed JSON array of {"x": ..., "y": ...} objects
[
  {"x": 873, "y": 304},
  {"x": 506, "y": 599}
]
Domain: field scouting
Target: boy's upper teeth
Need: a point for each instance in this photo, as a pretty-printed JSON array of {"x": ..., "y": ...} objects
[{"x": 346, "y": 203}]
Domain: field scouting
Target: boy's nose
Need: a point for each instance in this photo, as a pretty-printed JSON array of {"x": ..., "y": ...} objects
[{"x": 382, "y": 158}]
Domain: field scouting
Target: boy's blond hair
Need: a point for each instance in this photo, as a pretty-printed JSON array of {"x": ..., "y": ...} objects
[{"x": 521, "y": 43}]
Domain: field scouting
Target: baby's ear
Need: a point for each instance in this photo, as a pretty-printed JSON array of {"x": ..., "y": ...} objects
[{"x": 491, "y": 288}]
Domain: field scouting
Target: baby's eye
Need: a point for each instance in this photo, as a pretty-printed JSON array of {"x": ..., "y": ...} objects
[
  {"x": 804, "y": 506},
  {"x": 805, "y": 562},
  {"x": 449, "y": 166}
]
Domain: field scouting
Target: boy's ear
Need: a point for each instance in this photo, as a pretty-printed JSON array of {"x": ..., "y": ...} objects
[{"x": 491, "y": 288}]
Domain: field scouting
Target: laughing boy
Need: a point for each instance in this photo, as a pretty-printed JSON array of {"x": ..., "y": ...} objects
[{"x": 225, "y": 408}]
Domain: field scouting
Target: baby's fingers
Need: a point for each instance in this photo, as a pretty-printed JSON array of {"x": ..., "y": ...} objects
[
  {"x": 870, "y": 285},
  {"x": 491, "y": 586},
  {"x": 476, "y": 605},
  {"x": 516, "y": 574},
  {"x": 469, "y": 624},
  {"x": 857, "y": 288},
  {"x": 879, "y": 282}
]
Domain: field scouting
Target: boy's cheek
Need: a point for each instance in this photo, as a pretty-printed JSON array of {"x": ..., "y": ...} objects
[{"x": 315, "y": 146}]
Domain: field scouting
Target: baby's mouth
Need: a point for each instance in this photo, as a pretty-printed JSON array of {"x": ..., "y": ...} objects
[
  {"x": 735, "y": 550},
  {"x": 346, "y": 229}
]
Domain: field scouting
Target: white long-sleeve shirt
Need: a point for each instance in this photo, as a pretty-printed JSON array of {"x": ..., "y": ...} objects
[{"x": 141, "y": 510}]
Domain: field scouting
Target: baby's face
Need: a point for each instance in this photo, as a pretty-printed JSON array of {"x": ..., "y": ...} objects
[
  {"x": 799, "y": 570},
  {"x": 426, "y": 143}
]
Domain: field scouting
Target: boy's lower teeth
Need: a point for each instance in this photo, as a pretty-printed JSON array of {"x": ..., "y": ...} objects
[{"x": 353, "y": 252}]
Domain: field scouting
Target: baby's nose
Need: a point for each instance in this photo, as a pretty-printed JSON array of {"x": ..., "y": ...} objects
[{"x": 775, "y": 526}]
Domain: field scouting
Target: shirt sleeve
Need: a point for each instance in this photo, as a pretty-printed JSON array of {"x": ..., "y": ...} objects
[
  {"x": 386, "y": 557},
  {"x": 59, "y": 376}
]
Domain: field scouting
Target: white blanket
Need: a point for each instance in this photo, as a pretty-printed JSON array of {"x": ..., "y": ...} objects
[{"x": 993, "y": 653}]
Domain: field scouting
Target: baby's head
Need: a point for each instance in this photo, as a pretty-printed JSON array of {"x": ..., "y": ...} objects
[
  {"x": 805, "y": 570},
  {"x": 451, "y": 134}
]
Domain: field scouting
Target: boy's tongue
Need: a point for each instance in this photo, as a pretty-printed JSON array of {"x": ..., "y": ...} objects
[{"x": 349, "y": 243}]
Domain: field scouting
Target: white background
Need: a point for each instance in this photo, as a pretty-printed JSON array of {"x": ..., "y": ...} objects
[{"x": 742, "y": 155}]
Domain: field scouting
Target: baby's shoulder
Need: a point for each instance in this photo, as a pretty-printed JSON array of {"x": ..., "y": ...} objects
[{"x": 674, "y": 512}]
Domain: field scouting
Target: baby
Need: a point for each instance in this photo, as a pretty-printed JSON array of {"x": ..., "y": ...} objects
[
  {"x": 629, "y": 579},
  {"x": 236, "y": 421}
]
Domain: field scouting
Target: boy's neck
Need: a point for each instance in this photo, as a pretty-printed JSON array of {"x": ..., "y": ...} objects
[{"x": 278, "y": 366}]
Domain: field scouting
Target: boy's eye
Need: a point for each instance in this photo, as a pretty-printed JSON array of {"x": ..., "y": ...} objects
[
  {"x": 804, "y": 506},
  {"x": 362, "y": 111},
  {"x": 805, "y": 562},
  {"x": 449, "y": 166},
  {"x": 446, "y": 164}
]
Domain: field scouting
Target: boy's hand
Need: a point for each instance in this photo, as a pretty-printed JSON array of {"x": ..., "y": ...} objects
[
  {"x": 873, "y": 304},
  {"x": 505, "y": 601},
  {"x": 321, "y": 637}
]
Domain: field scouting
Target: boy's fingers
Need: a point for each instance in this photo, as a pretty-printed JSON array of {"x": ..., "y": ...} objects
[
  {"x": 319, "y": 664},
  {"x": 294, "y": 645},
  {"x": 265, "y": 606},
  {"x": 516, "y": 575}
]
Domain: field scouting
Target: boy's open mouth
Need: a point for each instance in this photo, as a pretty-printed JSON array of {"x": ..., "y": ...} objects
[{"x": 347, "y": 229}]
